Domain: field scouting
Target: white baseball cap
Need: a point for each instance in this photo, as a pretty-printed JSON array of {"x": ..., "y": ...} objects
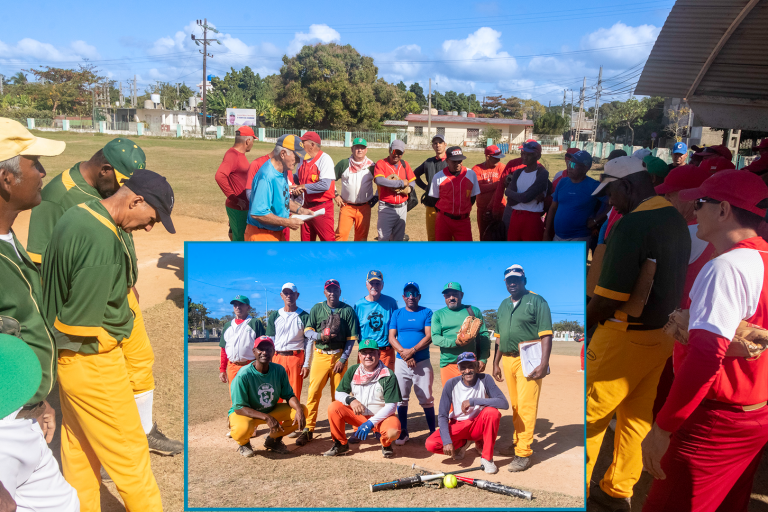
[
  {"x": 641, "y": 153},
  {"x": 290, "y": 286},
  {"x": 514, "y": 270},
  {"x": 617, "y": 169}
]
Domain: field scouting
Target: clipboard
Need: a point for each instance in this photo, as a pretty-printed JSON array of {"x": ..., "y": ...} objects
[
  {"x": 530, "y": 356},
  {"x": 638, "y": 298}
]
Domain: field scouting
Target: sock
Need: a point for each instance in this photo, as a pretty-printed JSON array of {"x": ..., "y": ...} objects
[
  {"x": 144, "y": 403},
  {"x": 429, "y": 413},
  {"x": 402, "y": 413}
]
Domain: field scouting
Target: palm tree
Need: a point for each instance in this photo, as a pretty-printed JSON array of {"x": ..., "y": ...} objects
[{"x": 19, "y": 79}]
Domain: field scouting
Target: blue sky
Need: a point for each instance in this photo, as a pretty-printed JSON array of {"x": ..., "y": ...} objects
[
  {"x": 529, "y": 49},
  {"x": 216, "y": 272}
]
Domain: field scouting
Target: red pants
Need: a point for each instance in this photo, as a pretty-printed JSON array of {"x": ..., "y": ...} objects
[
  {"x": 287, "y": 235},
  {"x": 447, "y": 229},
  {"x": 448, "y": 372},
  {"x": 321, "y": 227},
  {"x": 387, "y": 356},
  {"x": 339, "y": 415},
  {"x": 483, "y": 428},
  {"x": 711, "y": 461},
  {"x": 525, "y": 226},
  {"x": 292, "y": 365},
  {"x": 583, "y": 351}
]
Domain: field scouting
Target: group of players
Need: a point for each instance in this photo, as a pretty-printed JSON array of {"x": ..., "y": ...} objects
[
  {"x": 266, "y": 365},
  {"x": 69, "y": 314}
]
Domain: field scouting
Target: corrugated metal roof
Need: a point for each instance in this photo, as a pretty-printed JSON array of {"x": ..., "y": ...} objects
[{"x": 468, "y": 120}]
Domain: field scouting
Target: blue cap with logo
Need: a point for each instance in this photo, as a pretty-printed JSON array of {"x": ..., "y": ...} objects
[
  {"x": 583, "y": 158},
  {"x": 679, "y": 148},
  {"x": 411, "y": 284},
  {"x": 374, "y": 275},
  {"x": 465, "y": 357},
  {"x": 531, "y": 146}
]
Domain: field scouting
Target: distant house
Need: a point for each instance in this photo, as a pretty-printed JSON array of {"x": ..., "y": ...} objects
[{"x": 461, "y": 129}]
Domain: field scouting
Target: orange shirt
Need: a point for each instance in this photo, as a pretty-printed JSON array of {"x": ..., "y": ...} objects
[{"x": 384, "y": 169}]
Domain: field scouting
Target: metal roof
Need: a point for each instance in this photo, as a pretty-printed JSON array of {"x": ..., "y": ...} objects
[
  {"x": 468, "y": 120},
  {"x": 713, "y": 53}
]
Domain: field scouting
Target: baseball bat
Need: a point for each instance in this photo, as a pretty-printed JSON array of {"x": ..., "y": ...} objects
[
  {"x": 404, "y": 483},
  {"x": 497, "y": 488},
  {"x": 414, "y": 466}
]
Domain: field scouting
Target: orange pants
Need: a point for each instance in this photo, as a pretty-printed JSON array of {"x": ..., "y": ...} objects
[
  {"x": 254, "y": 234},
  {"x": 357, "y": 216},
  {"x": 339, "y": 415},
  {"x": 232, "y": 369},
  {"x": 387, "y": 356},
  {"x": 292, "y": 365},
  {"x": 448, "y": 372}
]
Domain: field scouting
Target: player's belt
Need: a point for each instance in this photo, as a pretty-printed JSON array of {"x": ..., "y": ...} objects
[
  {"x": 30, "y": 412},
  {"x": 737, "y": 407},
  {"x": 288, "y": 352},
  {"x": 330, "y": 352},
  {"x": 514, "y": 353},
  {"x": 455, "y": 217},
  {"x": 357, "y": 204},
  {"x": 242, "y": 363}
]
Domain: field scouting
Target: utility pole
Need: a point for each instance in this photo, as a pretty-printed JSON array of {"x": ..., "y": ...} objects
[
  {"x": 135, "y": 97},
  {"x": 429, "y": 113},
  {"x": 572, "y": 127},
  {"x": 597, "y": 104},
  {"x": 122, "y": 98},
  {"x": 2, "y": 78},
  {"x": 562, "y": 113},
  {"x": 205, "y": 42},
  {"x": 581, "y": 108}
]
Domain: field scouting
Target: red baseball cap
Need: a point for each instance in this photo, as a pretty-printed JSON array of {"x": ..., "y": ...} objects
[
  {"x": 719, "y": 149},
  {"x": 331, "y": 282},
  {"x": 683, "y": 177},
  {"x": 261, "y": 339},
  {"x": 571, "y": 151},
  {"x": 718, "y": 163},
  {"x": 741, "y": 189},
  {"x": 494, "y": 151},
  {"x": 763, "y": 145},
  {"x": 313, "y": 136},
  {"x": 245, "y": 131}
]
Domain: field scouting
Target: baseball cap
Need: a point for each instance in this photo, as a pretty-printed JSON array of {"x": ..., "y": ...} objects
[
  {"x": 263, "y": 339},
  {"x": 20, "y": 373},
  {"x": 412, "y": 284},
  {"x": 438, "y": 137},
  {"x": 656, "y": 166},
  {"x": 397, "y": 145},
  {"x": 331, "y": 282},
  {"x": 679, "y": 148},
  {"x": 156, "y": 191},
  {"x": 583, "y": 158},
  {"x": 367, "y": 344},
  {"x": 616, "y": 153},
  {"x": 16, "y": 140},
  {"x": 763, "y": 145},
  {"x": 125, "y": 156},
  {"x": 241, "y": 298},
  {"x": 245, "y": 131},
  {"x": 523, "y": 144},
  {"x": 290, "y": 286},
  {"x": 292, "y": 143},
  {"x": 741, "y": 189},
  {"x": 452, "y": 286},
  {"x": 717, "y": 163},
  {"x": 455, "y": 153},
  {"x": 360, "y": 142},
  {"x": 718, "y": 149},
  {"x": 571, "y": 151},
  {"x": 466, "y": 357},
  {"x": 641, "y": 153},
  {"x": 374, "y": 275},
  {"x": 494, "y": 152},
  {"x": 313, "y": 136},
  {"x": 531, "y": 146},
  {"x": 514, "y": 270},
  {"x": 683, "y": 177},
  {"x": 617, "y": 169}
]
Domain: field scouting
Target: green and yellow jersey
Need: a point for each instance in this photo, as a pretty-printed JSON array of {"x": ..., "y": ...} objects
[
  {"x": 528, "y": 320},
  {"x": 445, "y": 327}
]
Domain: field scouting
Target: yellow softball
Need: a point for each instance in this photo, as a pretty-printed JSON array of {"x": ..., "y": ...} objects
[{"x": 450, "y": 481}]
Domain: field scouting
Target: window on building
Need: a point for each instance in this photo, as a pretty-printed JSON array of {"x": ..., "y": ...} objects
[
  {"x": 473, "y": 133},
  {"x": 440, "y": 131},
  {"x": 419, "y": 130}
]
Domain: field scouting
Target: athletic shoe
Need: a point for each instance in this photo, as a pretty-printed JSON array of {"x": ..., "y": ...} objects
[
  {"x": 519, "y": 464},
  {"x": 337, "y": 449},
  {"x": 402, "y": 439},
  {"x": 488, "y": 466},
  {"x": 304, "y": 437},
  {"x": 293, "y": 434},
  {"x": 459, "y": 454},
  {"x": 276, "y": 445},
  {"x": 105, "y": 478},
  {"x": 599, "y": 496},
  {"x": 229, "y": 434},
  {"x": 246, "y": 450},
  {"x": 161, "y": 444},
  {"x": 388, "y": 452}
]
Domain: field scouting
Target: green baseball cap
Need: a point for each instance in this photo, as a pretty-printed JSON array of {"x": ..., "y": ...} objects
[
  {"x": 360, "y": 142},
  {"x": 656, "y": 166},
  {"x": 241, "y": 298},
  {"x": 20, "y": 374},
  {"x": 452, "y": 286},
  {"x": 125, "y": 156},
  {"x": 367, "y": 344}
]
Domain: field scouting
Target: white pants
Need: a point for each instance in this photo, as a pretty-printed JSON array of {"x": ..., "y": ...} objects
[
  {"x": 30, "y": 473},
  {"x": 419, "y": 377},
  {"x": 391, "y": 221}
]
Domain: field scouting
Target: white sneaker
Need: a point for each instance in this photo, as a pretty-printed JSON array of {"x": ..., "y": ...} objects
[
  {"x": 229, "y": 434},
  {"x": 402, "y": 440},
  {"x": 488, "y": 466}
]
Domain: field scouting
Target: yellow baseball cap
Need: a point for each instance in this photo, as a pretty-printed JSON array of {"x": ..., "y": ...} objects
[{"x": 16, "y": 140}]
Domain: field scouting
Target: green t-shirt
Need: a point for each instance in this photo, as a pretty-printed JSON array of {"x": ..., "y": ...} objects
[
  {"x": 445, "y": 327},
  {"x": 388, "y": 390},
  {"x": 528, "y": 321},
  {"x": 654, "y": 230},
  {"x": 260, "y": 391},
  {"x": 86, "y": 273},
  {"x": 350, "y": 327},
  {"x": 21, "y": 298}
]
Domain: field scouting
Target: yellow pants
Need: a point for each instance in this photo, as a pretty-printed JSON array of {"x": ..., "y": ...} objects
[
  {"x": 623, "y": 370},
  {"x": 101, "y": 427},
  {"x": 242, "y": 427},
  {"x": 137, "y": 351},
  {"x": 320, "y": 372},
  {"x": 524, "y": 398},
  {"x": 431, "y": 216}
]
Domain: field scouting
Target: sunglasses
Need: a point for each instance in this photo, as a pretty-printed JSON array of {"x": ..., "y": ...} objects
[
  {"x": 700, "y": 202},
  {"x": 411, "y": 294}
]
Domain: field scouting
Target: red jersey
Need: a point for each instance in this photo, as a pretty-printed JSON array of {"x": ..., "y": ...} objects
[
  {"x": 384, "y": 169},
  {"x": 759, "y": 166},
  {"x": 312, "y": 171},
  {"x": 454, "y": 193},
  {"x": 253, "y": 169},
  {"x": 231, "y": 177},
  {"x": 488, "y": 180}
]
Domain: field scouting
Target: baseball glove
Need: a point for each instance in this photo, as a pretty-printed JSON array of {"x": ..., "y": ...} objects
[
  {"x": 469, "y": 328},
  {"x": 402, "y": 190},
  {"x": 330, "y": 329},
  {"x": 9, "y": 325},
  {"x": 749, "y": 341}
]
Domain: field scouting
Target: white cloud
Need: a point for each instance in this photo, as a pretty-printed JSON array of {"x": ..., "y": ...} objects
[
  {"x": 28, "y": 48},
  {"x": 620, "y": 35},
  {"x": 271, "y": 252},
  {"x": 220, "y": 301},
  {"x": 317, "y": 34},
  {"x": 483, "y": 43},
  {"x": 394, "y": 65},
  {"x": 255, "y": 295}
]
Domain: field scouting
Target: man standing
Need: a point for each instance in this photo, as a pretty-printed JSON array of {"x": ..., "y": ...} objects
[
  {"x": 393, "y": 175},
  {"x": 523, "y": 317},
  {"x": 365, "y": 398},
  {"x": 759, "y": 166},
  {"x": 626, "y": 354},
  {"x": 410, "y": 333},
  {"x": 446, "y": 323},
  {"x": 427, "y": 170},
  {"x": 708, "y": 439},
  {"x": 657, "y": 168},
  {"x": 255, "y": 395},
  {"x": 525, "y": 194},
  {"x": 237, "y": 339},
  {"x": 488, "y": 175},
  {"x": 354, "y": 201},
  {"x": 679, "y": 155},
  {"x": 557, "y": 178},
  {"x": 469, "y": 411},
  {"x": 334, "y": 328},
  {"x": 31, "y": 476},
  {"x": 87, "y": 268},
  {"x": 316, "y": 181},
  {"x": 373, "y": 313},
  {"x": 455, "y": 189},
  {"x": 271, "y": 205},
  {"x": 231, "y": 178}
]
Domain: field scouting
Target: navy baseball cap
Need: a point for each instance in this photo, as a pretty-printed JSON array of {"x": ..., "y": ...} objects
[
  {"x": 583, "y": 158},
  {"x": 374, "y": 275},
  {"x": 412, "y": 284},
  {"x": 531, "y": 146},
  {"x": 680, "y": 148},
  {"x": 331, "y": 282},
  {"x": 466, "y": 357}
]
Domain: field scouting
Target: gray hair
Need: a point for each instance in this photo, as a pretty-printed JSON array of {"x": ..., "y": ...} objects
[
  {"x": 13, "y": 166},
  {"x": 242, "y": 139}
]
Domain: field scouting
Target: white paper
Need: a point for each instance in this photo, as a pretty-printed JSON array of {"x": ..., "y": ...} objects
[
  {"x": 305, "y": 218},
  {"x": 530, "y": 357}
]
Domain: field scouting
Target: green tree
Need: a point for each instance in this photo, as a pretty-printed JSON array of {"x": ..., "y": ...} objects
[
  {"x": 568, "y": 325},
  {"x": 550, "y": 124},
  {"x": 418, "y": 91},
  {"x": 19, "y": 79},
  {"x": 491, "y": 318},
  {"x": 626, "y": 114},
  {"x": 490, "y": 133},
  {"x": 402, "y": 86},
  {"x": 64, "y": 90}
]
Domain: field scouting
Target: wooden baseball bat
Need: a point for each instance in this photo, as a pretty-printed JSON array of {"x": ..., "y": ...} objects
[
  {"x": 414, "y": 466},
  {"x": 404, "y": 483},
  {"x": 497, "y": 488}
]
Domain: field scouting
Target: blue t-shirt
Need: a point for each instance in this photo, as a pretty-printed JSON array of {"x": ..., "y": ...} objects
[
  {"x": 374, "y": 318},
  {"x": 575, "y": 205},
  {"x": 410, "y": 329},
  {"x": 269, "y": 195}
]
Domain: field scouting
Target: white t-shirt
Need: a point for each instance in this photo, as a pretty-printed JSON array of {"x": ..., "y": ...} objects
[
  {"x": 356, "y": 187},
  {"x": 524, "y": 182},
  {"x": 289, "y": 330},
  {"x": 460, "y": 393},
  {"x": 239, "y": 341},
  {"x": 9, "y": 238},
  {"x": 325, "y": 167}
]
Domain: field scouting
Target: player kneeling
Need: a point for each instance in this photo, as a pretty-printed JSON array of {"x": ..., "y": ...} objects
[
  {"x": 366, "y": 398},
  {"x": 255, "y": 392},
  {"x": 476, "y": 401}
]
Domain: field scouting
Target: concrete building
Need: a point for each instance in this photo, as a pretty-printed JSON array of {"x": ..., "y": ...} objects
[
  {"x": 160, "y": 118},
  {"x": 461, "y": 130}
]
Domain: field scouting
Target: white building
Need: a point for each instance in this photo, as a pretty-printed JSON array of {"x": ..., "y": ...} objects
[
  {"x": 462, "y": 130},
  {"x": 168, "y": 119}
]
